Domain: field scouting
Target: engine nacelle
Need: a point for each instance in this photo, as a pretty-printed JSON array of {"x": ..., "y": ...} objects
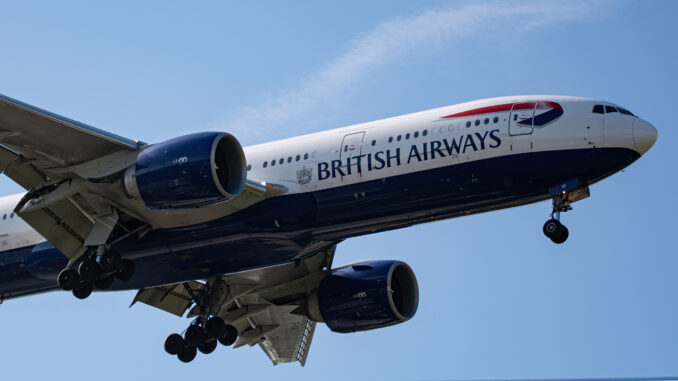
[
  {"x": 365, "y": 295},
  {"x": 188, "y": 172}
]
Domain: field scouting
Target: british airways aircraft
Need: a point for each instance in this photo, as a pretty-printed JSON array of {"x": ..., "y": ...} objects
[{"x": 241, "y": 240}]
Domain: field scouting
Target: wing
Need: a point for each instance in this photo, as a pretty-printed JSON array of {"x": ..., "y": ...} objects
[
  {"x": 72, "y": 173},
  {"x": 267, "y": 306},
  {"x": 42, "y": 152}
]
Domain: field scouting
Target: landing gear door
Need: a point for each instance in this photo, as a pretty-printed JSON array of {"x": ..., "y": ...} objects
[
  {"x": 520, "y": 121},
  {"x": 351, "y": 145}
]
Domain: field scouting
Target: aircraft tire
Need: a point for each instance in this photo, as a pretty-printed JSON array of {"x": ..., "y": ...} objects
[
  {"x": 194, "y": 335},
  {"x": 110, "y": 261},
  {"x": 215, "y": 327},
  {"x": 551, "y": 228},
  {"x": 126, "y": 270},
  {"x": 89, "y": 270},
  {"x": 230, "y": 336},
  {"x": 187, "y": 354},
  {"x": 67, "y": 279},
  {"x": 561, "y": 235},
  {"x": 208, "y": 346},
  {"x": 174, "y": 344},
  {"x": 83, "y": 289}
]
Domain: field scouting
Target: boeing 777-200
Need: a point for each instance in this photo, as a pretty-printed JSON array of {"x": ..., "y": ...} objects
[{"x": 241, "y": 239}]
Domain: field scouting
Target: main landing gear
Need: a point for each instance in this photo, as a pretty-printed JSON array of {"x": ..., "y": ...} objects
[
  {"x": 202, "y": 335},
  {"x": 95, "y": 271},
  {"x": 553, "y": 228},
  {"x": 206, "y": 330}
]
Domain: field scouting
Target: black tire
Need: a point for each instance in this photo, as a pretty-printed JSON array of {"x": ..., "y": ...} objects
[
  {"x": 110, "y": 261},
  {"x": 562, "y": 235},
  {"x": 230, "y": 336},
  {"x": 215, "y": 327},
  {"x": 174, "y": 344},
  {"x": 551, "y": 228},
  {"x": 67, "y": 279},
  {"x": 83, "y": 289},
  {"x": 187, "y": 354},
  {"x": 89, "y": 270},
  {"x": 208, "y": 347},
  {"x": 194, "y": 335},
  {"x": 126, "y": 270},
  {"x": 104, "y": 284}
]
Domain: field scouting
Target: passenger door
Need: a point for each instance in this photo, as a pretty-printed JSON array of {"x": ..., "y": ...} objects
[{"x": 520, "y": 120}]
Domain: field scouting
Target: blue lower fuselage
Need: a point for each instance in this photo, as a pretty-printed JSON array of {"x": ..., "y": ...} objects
[{"x": 291, "y": 227}]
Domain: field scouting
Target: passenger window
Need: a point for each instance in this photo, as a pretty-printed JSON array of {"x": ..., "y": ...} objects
[
  {"x": 495, "y": 120},
  {"x": 4, "y": 216},
  {"x": 416, "y": 134},
  {"x": 468, "y": 124},
  {"x": 399, "y": 137},
  {"x": 265, "y": 164},
  {"x": 407, "y": 136},
  {"x": 281, "y": 161},
  {"x": 272, "y": 163},
  {"x": 249, "y": 166},
  {"x": 390, "y": 139},
  {"x": 424, "y": 133},
  {"x": 515, "y": 117},
  {"x": 305, "y": 156},
  {"x": 298, "y": 158},
  {"x": 374, "y": 142},
  {"x": 598, "y": 109},
  {"x": 11, "y": 215},
  {"x": 289, "y": 159},
  {"x": 609, "y": 109},
  {"x": 487, "y": 120},
  {"x": 477, "y": 122}
]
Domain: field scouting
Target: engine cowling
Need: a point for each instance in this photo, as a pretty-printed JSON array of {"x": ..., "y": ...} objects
[
  {"x": 365, "y": 295},
  {"x": 188, "y": 172}
]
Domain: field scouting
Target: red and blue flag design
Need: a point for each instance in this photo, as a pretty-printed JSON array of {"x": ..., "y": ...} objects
[{"x": 545, "y": 112}]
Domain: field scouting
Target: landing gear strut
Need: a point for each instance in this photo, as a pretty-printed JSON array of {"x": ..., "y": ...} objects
[{"x": 95, "y": 271}]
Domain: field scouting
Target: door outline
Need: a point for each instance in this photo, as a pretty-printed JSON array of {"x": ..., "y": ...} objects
[
  {"x": 514, "y": 128},
  {"x": 348, "y": 148}
]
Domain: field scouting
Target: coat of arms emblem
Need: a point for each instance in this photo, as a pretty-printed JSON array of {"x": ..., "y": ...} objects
[{"x": 304, "y": 175}]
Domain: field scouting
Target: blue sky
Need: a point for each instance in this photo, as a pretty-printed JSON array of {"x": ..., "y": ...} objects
[{"x": 498, "y": 300}]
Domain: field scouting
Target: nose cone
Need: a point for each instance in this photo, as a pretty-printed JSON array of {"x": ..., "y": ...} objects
[{"x": 644, "y": 135}]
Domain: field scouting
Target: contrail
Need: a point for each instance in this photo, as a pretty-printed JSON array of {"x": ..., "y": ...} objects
[{"x": 289, "y": 110}]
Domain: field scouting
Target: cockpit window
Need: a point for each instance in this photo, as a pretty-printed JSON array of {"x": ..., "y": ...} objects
[
  {"x": 625, "y": 111},
  {"x": 610, "y": 109},
  {"x": 598, "y": 109}
]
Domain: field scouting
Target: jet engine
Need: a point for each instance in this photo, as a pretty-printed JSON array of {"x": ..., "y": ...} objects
[
  {"x": 365, "y": 295},
  {"x": 190, "y": 171}
]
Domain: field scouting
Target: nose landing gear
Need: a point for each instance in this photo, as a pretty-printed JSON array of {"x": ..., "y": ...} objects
[{"x": 553, "y": 228}]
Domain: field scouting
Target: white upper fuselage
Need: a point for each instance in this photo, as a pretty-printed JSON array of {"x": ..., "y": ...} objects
[
  {"x": 577, "y": 128},
  {"x": 421, "y": 141}
]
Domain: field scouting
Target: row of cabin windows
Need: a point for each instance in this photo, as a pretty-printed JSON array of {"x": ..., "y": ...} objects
[
  {"x": 601, "y": 109},
  {"x": 281, "y": 161},
  {"x": 407, "y": 136},
  {"x": 4, "y": 216},
  {"x": 485, "y": 121}
]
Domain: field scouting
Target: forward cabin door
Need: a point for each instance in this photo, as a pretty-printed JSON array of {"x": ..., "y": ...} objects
[
  {"x": 520, "y": 122},
  {"x": 520, "y": 126},
  {"x": 351, "y": 146}
]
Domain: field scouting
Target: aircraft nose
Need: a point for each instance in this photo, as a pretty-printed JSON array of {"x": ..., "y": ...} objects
[{"x": 644, "y": 135}]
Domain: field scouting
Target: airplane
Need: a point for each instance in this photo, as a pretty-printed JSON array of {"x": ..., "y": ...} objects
[{"x": 241, "y": 240}]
